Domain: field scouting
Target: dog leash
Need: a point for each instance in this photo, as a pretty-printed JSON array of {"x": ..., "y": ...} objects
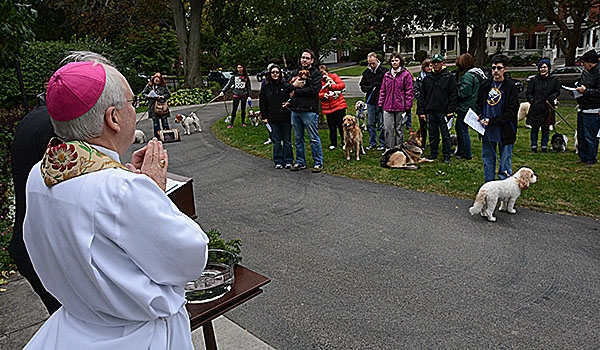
[
  {"x": 142, "y": 117},
  {"x": 560, "y": 115},
  {"x": 207, "y": 103}
]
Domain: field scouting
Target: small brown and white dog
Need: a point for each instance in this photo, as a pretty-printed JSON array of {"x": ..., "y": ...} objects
[
  {"x": 254, "y": 117},
  {"x": 506, "y": 191},
  {"x": 407, "y": 155},
  {"x": 353, "y": 138},
  {"x": 188, "y": 121},
  {"x": 361, "y": 113},
  {"x": 302, "y": 74},
  {"x": 140, "y": 137},
  {"x": 328, "y": 84}
]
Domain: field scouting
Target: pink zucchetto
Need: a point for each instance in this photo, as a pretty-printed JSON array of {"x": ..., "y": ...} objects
[{"x": 74, "y": 89}]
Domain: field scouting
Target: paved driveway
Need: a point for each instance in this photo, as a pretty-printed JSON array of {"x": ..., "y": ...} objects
[{"x": 359, "y": 265}]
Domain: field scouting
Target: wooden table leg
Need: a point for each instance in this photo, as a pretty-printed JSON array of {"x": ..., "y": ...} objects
[{"x": 209, "y": 336}]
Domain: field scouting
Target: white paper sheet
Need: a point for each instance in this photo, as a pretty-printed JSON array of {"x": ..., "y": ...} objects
[
  {"x": 576, "y": 93},
  {"x": 472, "y": 120},
  {"x": 152, "y": 94}
]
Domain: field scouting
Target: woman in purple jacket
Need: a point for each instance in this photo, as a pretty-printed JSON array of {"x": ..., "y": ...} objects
[{"x": 396, "y": 99}]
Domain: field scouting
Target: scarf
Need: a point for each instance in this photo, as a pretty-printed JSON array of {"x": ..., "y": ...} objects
[{"x": 65, "y": 160}]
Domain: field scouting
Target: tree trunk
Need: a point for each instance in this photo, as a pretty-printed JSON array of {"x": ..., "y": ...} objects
[
  {"x": 189, "y": 41},
  {"x": 462, "y": 38},
  {"x": 477, "y": 45},
  {"x": 570, "y": 50}
]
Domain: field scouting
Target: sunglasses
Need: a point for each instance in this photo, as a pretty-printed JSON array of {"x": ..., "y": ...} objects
[
  {"x": 497, "y": 68},
  {"x": 306, "y": 58},
  {"x": 135, "y": 102},
  {"x": 275, "y": 72}
]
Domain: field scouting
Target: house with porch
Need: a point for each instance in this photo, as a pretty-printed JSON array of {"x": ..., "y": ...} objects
[{"x": 541, "y": 39}]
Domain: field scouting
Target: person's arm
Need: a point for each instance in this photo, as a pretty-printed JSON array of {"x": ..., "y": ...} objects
[
  {"x": 166, "y": 93},
  {"x": 229, "y": 84},
  {"x": 263, "y": 104},
  {"x": 311, "y": 86},
  {"x": 529, "y": 94},
  {"x": 382, "y": 93},
  {"x": 164, "y": 243},
  {"x": 423, "y": 98},
  {"x": 146, "y": 91},
  {"x": 409, "y": 92},
  {"x": 452, "y": 96},
  {"x": 338, "y": 83},
  {"x": 465, "y": 86},
  {"x": 249, "y": 86},
  {"x": 365, "y": 84},
  {"x": 555, "y": 91}
]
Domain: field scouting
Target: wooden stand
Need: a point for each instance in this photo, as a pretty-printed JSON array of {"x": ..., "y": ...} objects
[
  {"x": 183, "y": 196},
  {"x": 247, "y": 285}
]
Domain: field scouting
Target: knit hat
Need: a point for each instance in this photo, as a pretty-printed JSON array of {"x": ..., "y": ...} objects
[
  {"x": 590, "y": 57},
  {"x": 546, "y": 61},
  {"x": 74, "y": 89}
]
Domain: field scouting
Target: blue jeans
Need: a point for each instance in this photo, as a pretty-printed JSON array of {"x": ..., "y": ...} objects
[
  {"x": 545, "y": 135},
  {"x": 157, "y": 122},
  {"x": 282, "y": 143},
  {"x": 375, "y": 123},
  {"x": 463, "y": 138},
  {"x": 310, "y": 122},
  {"x": 437, "y": 124},
  {"x": 488, "y": 155},
  {"x": 587, "y": 140}
]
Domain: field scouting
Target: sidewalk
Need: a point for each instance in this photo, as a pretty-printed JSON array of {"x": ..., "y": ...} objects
[{"x": 22, "y": 314}]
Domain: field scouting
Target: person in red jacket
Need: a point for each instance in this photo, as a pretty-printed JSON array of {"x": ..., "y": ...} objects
[{"x": 333, "y": 104}]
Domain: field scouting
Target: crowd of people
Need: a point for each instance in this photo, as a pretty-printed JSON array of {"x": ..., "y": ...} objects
[{"x": 441, "y": 98}]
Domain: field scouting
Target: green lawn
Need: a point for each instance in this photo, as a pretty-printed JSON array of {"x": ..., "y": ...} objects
[{"x": 563, "y": 186}]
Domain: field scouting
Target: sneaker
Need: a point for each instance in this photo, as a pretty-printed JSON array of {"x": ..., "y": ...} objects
[
  {"x": 229, "y": 126},
  {"x": 278, "y": 166},
  {"x": 288, "y": 166},
  {"x": 368, "y": 148},
  {"x": 297, "y": 167},
  {"x": 244, "y": 124},
  {"x": 380, "y": 148},
  {"x": 447, "y": 160},
  {"x": 317, "y": 168},
  {"x": 332, "y": 147},
  {"x": 432, "y": 158},
  {"x": 268, "y": 142}
]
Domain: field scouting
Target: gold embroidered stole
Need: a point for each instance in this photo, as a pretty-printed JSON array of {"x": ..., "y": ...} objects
[{"x": 66, "y": 160}]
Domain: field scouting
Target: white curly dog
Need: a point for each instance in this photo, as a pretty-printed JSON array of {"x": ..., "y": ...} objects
[{"x": 506, "y": 191}]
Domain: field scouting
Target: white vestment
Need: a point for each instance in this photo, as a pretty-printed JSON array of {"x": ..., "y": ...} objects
[{"x": 116, "y": 252}]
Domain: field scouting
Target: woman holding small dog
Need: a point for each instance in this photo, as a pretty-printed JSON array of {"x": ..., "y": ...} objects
[
  {"x": 333, "y": 104},
  {"x": 242, "y": 87},
  {"x": 542, "y": 90},
  {"x": 273, "y": 95},
  {"x": 396, "y": 99},
  {"x": 157, "y": 90}
]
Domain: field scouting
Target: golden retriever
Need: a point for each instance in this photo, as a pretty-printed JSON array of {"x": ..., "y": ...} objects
[
  {"x": 506, "y": 191},
  {"x": 353, "y": 138},
  {"x": 407, "y": 155}
]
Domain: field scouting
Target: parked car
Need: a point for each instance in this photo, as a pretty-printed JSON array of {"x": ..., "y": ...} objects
[
  {"x": 567, "y": 76},
  {"x": 221, "y": 77},
  {"x": 263, "y": 74}
]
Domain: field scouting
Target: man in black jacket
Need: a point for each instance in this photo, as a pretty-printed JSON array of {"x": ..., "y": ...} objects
[
  {"x": 497, "y": 106},
  {"x": 438, "y": 96},
  {"x": 370, "y": 84},
  {"x": 588, "y": 115},
  {"x": 305, "y": 112}
]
